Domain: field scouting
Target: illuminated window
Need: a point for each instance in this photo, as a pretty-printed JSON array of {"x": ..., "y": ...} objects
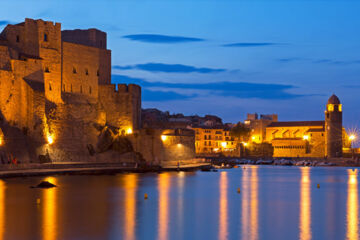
[
  {"x": 330, "y": 107},
  {"x": 340, "y": 108}
]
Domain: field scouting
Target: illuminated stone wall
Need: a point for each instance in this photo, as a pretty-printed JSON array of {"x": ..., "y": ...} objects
[{"x": 42, "y": 97}]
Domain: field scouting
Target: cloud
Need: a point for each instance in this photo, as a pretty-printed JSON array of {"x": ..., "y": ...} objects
[
  {"x": 157, "y": 38},
  {"x": 318, "y": 61},
  {"x": 228, "y": 89},
  {"x": 246, "y": 44},
  {"x": 291, "y": 59},
  {"x": 168, "y": 68},
  {"x": 337, "y": 62},
  {"x": 4, "y": 22}
]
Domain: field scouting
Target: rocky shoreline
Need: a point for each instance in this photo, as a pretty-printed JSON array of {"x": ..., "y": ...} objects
[{"x": 342, "y": 162}]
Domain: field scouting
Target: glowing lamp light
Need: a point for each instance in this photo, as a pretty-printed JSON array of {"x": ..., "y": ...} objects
[
  {"x": 216, "y": 149},
  {"x": 1, "y": 141},
  {"x": 50, "y": 139},
  {"x": 163, "y": 137},
  {"x": 129, "y": 131},
  {"x": 306, "y": 137},
  {"x": 223, "y": 144},
  {"x": 253, "y": 137},
  {"x": 245, "y": 144},
  {"x": 352, "y": 137}
]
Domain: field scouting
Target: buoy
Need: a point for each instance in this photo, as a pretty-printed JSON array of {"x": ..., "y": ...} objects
[
  {"x": 238, "y": 190},
  {"x": 318, "y": 185},
  {"x": 145, "y": 196},
  {"x": 38, "y": 200}
]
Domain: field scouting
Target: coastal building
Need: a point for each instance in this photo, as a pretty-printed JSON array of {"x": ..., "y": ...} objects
[
  {"x": 215, "y": 140},
  {"x": 258, "y": 125},
  {"x": 56, "y": 99},
  {"x": 310, "y": 138}
]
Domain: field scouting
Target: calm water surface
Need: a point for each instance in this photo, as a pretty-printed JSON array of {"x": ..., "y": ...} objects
[{"x": 274, "y": 203}]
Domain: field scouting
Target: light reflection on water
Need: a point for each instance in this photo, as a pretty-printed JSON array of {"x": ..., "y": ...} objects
[
  {"x": 352, "y": 206},
  {"x": 250, "y": 204},
  {"x": 182, "y": 205},
  {"x": 305, "y": 204},
  {"x": 50, "y": 210}
]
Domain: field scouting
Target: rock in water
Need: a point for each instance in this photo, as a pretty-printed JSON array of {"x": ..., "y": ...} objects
[{"x": 44, "y": 184}]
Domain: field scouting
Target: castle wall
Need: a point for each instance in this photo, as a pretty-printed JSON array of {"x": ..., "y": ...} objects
[
  {"x": 90, "y": 37},
  {"x": 122, "y": 106},
  {"x": 4, "y": 58},
  {"x": 178, "y": 145},
  {"x": 81, "y": 69}
]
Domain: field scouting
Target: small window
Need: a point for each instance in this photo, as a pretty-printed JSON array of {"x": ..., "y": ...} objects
[
  {"x": 50, "y": 87},
  {"x": 17, "y": 38},
  {"x": 86, "y": 71},
  {"x": 80, "y": 89},
  {"x": 45, "y": 37},
  {"x": 97, "y": 73},
  {"x": 47, "y": 69},
  {"x": 74, "y": 70},
  {"x": 90, "y": 90}
]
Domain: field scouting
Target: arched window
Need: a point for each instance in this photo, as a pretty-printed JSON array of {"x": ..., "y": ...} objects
[
  {"x": 47, "y": 69},
  {"x": 50, "y": 87},
  {"x": 74, "y": 70},
  {"x": 86, "y": 71},
  {"x": 80, "y": 89},
  {"x": 17, "y": 38},
  {"x": 45, "y": 37}
]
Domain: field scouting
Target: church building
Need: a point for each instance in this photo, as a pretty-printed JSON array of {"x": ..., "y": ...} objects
[{"x": 310, "y": 138}]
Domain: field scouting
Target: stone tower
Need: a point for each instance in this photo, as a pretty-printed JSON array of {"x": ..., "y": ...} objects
[{"x": 333, "y": 127}]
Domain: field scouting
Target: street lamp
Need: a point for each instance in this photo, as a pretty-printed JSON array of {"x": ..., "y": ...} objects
[{"x": 352, "y": 137}]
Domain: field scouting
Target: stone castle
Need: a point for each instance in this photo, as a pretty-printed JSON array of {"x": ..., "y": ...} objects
[{"x": 56, "y": 96}]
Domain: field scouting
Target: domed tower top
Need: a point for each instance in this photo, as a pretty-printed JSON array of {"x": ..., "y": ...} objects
[{"x": 333, "y": 100}]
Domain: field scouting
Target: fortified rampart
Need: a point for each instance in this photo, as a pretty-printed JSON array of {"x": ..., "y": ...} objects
[{"x": 56, "y": 93}]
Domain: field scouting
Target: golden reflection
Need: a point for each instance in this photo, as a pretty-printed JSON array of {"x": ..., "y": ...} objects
[
  {"x": 250, "y": 204},
  {"x": 223, "y": 211},
  {"x": 305, "y": 205},
  {"x": 50, "y": 211},
  {"x": 352, "y": 206},
  {"x": 163, "y": 218},
  {"x": 2, "y": 209},
  {"x": 131, "y": 181},
  {"x": 180, "y": 182}
]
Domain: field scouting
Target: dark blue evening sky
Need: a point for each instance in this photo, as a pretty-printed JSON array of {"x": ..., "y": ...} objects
[{"x": 224, "y": 57}]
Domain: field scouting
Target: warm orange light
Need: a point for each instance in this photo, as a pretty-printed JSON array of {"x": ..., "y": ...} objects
[
  {"x": 223, "y": 144},
  {"x": 245, "y": 144},
  {"x": 352, "y": 215},
  {"x": 306, "y": 137},
  {"x": 216, "y": 149},
  {"x": 50, "y": 139},
  {"x": 253, "y": 137},
  {"x": 352, "y": 137},
  {"x": 129, "y": 131},
  {"x": 163, "y": 137},
  {"x": 1, "y": 141}
]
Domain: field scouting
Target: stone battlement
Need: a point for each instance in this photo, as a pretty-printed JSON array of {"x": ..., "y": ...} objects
[{"x": 120, "y": 88}]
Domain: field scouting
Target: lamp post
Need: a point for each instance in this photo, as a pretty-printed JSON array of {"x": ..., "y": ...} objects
[{"x": 352, "y": 137}]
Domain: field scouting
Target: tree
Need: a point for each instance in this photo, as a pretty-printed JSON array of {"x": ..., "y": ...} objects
[{"x": 241, "y": 132}]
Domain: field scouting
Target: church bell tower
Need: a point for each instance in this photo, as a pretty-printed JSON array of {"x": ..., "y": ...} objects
[{"x": 333, "y": 127}]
